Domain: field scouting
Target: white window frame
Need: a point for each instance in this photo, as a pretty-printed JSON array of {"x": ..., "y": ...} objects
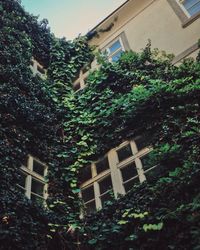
[
  {"x": 111, "y": 54},
  {"x": 115, "y": 171},
  {"x": 34, "y": 68},
  {"x": 180, "y": 3},
  {"x": 30, "y": 175}
]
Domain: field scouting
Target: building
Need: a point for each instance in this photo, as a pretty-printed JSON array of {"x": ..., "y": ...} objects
[{"x": 172, "y": 26}]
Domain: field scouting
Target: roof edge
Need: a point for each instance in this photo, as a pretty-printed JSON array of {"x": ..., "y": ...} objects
[{"x": 101, "y": 22}]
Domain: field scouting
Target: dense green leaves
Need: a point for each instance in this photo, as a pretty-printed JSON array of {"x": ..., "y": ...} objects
[{"x": 141, "y": 94}]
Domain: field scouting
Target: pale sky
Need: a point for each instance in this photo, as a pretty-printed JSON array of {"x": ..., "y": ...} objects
[{"x": 70, "y": 18}]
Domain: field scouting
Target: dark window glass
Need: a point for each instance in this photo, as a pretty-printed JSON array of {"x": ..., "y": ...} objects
[
  {"x": 22, "y": 181},
  {"x": 140, "y": 142},
  {"x": 88, "y": 193},
  {"x": 146, "y": 164},
  {"x": 155, "y": 173},
  {"x": 129, "y": 171},
  {"x": 77, "y": 86},
  {"x": 37, "y": 199},
  {"x": 105, "y": 184},
  {"x": 105, "y": 197},
  {"x": 124, "y": 152},
  {"x": 85, "y": 174},
  {"x": 38, "y": 168},
  {"x": 128, "y": 185},
  {"x": 37, "y": 187},
  {"x": 90, "y": 207},
  {"x": 102, "y": 165}
]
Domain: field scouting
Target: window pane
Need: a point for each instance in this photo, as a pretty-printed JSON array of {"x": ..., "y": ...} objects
[
  {"x": 88, "y": 193},
  {"x": 155, "y": 173},
  {"x": 116, "y": 56},
  {"x": 90, "y": 207},
  {"x": 146, "y": 164},
  {"x": 129, "y": 171},
  {"x": 38, "y": 168},
  {"x": 105, "y": 184},
  {"x": 128, "y": 185},
  {"x": 140, "y": 142},
  {"x": 124, "y": 153},
  {"x": 77, "y": 86},
  {"x": 37, "y": 199},
  {"x": 194, "y": 9},
  {"x": 85, "y": 174},
  {"x": 115, "y": 46},
  {"x": 102, "y": 165},
  {"x": 37, "y": 187},
  {"x": 105, "y": 197},
  {"x": 190, "y": 3},
  {"x": 22, "y": 181}
]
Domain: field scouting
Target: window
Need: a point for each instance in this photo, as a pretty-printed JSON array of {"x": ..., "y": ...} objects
[
  {"x": 105, "y": 187},
  {"x": 115, "y": 49},
  {"x": 37, "y": 68},
  {"x": 129, "y": 176},
  {"x": 186, "y": 10},
  {"x": 102, "y": 165},
  {"x": 80, "y": 83},
  {"x": 191, "y": 7},
  {"x": 40, "y": 70},
  {"x": 96, "y": 184},
  {"x": 116, "y": 173},
  {"x": 32, "y": 181}
]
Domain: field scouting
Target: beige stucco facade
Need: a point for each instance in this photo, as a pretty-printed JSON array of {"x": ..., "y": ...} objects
[
  {"x": 164, "y": 22},
  {"x": 156, "y": 20}
]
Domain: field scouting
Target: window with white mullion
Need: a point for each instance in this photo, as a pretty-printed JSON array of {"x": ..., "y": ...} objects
[
  {"x": 28, "y": 186},
  {"x": 118, "y": 171},
  {"x": 190, "y": 7},
  {"x": 105, "y": 196},
  {"x": 192, "y": 10},
  {"x": 129, "y": 174},
  {"x": 115, "y": 49},
  {"x": 32, "y": 177},
  {"x": 90, "y": 205},
  {"x": 88, "y": 195},
  {"x": 130, "y": 183},
  {"x": 22, "y": 182},
  {"x": 105, "y": 187}
]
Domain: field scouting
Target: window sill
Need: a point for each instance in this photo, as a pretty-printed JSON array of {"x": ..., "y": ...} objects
[{"x": 190, "y": 20}]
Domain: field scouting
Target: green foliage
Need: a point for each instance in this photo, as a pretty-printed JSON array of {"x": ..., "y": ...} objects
[
  {"x": 30, "y": 123},
  {"x": 141, "y": 94}
]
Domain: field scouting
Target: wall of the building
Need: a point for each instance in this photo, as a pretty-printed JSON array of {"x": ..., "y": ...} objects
[{"x": 154, "y": 20}]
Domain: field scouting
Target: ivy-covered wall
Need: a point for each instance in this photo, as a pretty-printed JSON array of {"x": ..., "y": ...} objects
[
  {"x": 142, "y": 94},
  {"x": 30, "y": 121}
]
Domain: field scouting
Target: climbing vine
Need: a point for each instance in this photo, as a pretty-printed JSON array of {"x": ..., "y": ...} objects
[{"x": 141, "y": 94}]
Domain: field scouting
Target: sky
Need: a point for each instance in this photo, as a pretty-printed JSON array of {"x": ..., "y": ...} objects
[{"x": 69, "y": 18}]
